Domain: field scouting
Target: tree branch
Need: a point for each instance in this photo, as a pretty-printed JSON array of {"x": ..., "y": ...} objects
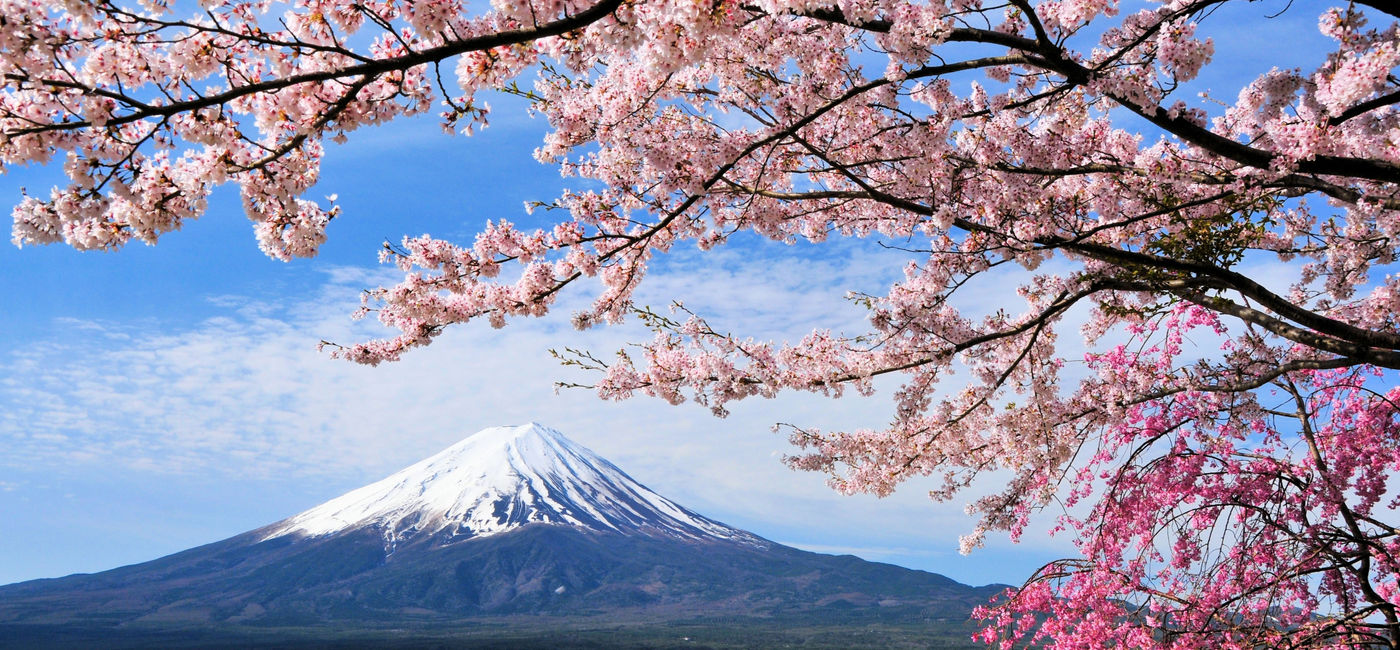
[{"x": 430, "y": 55}]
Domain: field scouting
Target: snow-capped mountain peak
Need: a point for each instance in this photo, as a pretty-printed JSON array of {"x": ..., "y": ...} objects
[{"x": 500, "y": 479}]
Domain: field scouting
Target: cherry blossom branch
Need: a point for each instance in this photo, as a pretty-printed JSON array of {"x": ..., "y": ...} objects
[{"x": 374, "y": 68}]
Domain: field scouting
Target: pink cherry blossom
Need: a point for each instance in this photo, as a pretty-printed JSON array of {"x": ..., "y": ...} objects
[{"x": 1221, "y": 455}]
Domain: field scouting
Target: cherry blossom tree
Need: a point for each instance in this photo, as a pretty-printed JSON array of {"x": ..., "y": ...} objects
[{"x": 1222, "y": 454}]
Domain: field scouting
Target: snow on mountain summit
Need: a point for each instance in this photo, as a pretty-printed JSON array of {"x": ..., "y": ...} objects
[{"x": 500, "y": 479}]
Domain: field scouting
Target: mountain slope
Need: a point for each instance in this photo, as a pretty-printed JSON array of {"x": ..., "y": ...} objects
[{"x": 511, "y": 521}]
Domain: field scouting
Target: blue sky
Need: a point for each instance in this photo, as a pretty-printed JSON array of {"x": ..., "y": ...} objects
[
  {"x": 163, "y": 397},
  {"x": 158, "y": 398}
]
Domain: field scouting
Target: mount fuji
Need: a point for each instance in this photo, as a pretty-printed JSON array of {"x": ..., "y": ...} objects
[
  {"x": 510, "y": 524},
  {"x": 502, "y": 479}
]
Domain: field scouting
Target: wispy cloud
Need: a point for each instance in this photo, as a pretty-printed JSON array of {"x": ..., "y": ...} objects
[
  {"x": 246, "y": 391},
  {"x": 246, "y": 395}
]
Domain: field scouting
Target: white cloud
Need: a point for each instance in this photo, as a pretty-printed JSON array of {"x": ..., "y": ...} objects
[{"x": 245, "y": 395}]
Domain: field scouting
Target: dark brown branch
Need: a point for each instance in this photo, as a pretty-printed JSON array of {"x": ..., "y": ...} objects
[
  {"x": 1364, "y": 107},
  {"x": 1384, "y": 6},
  {"x": 431, "y": 55},
  {"x": 1245, "y": 286},
  {"x": 1054, "y": 60},
  {"x": 1374, "y": 356}
]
